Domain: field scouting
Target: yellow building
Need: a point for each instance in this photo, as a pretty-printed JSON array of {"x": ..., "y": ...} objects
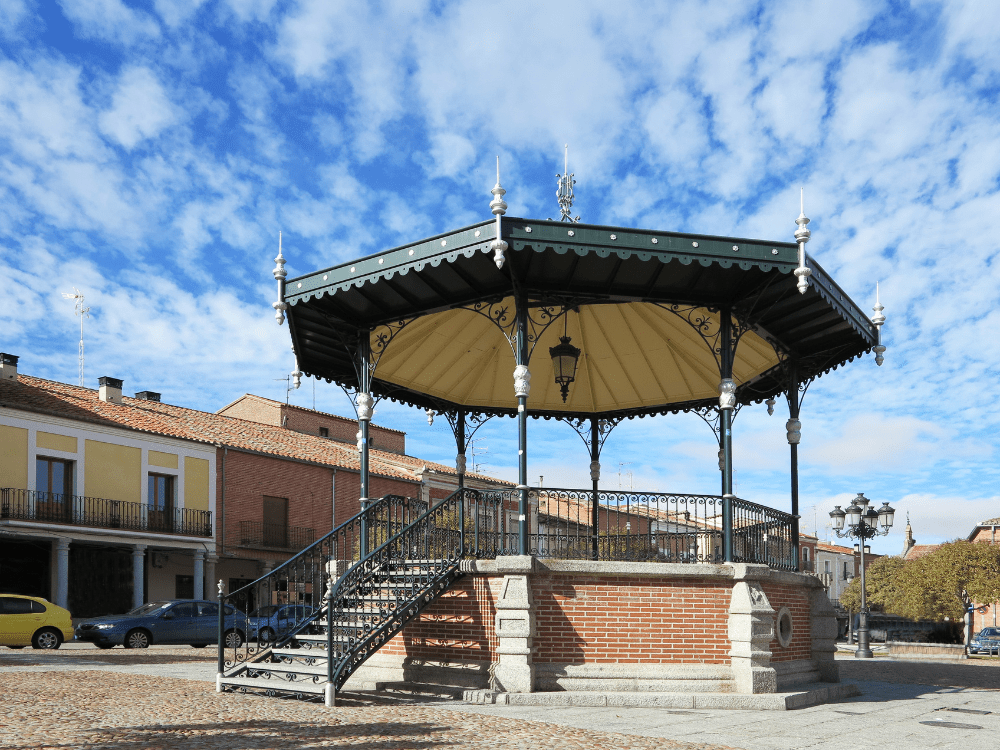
[{"x": 94, "y": 515}]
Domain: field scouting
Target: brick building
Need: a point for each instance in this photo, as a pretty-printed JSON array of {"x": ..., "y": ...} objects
[{"x": 261, "y": 480}]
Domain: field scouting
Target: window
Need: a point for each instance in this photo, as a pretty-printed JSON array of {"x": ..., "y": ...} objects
[
  {"x": 324, "y": 432},
  {"x": 275, "y": 518},
  {"x": 53, "y": 488},
  {"x": 10, "y": 605},
  {"x": 161, "y": 502},
  {"x": 826, "y": 567},
  {"x": 184, "y": 587},
  {"x": 161, "y": 492},
  {"x": 53, "y": 476},
  {"x": 846, "y": 569},
  {"x": 805, "y": 554},
  {"x": 187, "y": 609},
  {"x": 208, "y": 610}
]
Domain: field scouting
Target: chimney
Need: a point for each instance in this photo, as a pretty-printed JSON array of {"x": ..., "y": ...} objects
[
  {"x": 8, "y": 366},
  {"x": 111, "y": 390},
  {"x": 148, "y": 396}
]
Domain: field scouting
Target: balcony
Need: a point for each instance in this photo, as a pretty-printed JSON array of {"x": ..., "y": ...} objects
[
  {"x": 101, "y": 513},
  {"x": 260, "y": 535}
]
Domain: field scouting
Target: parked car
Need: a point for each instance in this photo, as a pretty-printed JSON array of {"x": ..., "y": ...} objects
[
  {"x": 31, "y": 620},
  {"x": 274, "y": 621},
  {"x": 986, "y": 641},
  {"x": 191, "y": 621}
]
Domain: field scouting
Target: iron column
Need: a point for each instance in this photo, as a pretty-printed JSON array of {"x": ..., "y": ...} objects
[
  {"x": 522, "y": 386},
  {"x": 595, "y": 477},
  {"x": 727, "y": 403},
  {"x": 364, "y": 404},
  {"x": 794, "y": 435}
]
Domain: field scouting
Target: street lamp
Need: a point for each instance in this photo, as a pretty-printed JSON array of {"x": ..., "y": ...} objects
[{"x": 862, "y": 524}]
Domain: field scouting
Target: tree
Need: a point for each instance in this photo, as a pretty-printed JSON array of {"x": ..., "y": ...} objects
[
  {"x": 946, "y": 581},
  {"x": 881, "y": 585},
  {"x": 939, "y": 585}
]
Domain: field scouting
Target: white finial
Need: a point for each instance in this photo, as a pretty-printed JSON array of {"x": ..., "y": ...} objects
[
  {"x": 297, "y": 375},
  {"x": 802, "y": 234},
  {"x": 430, "y": 417},
  {"x": 222, "y": 587},
  {"x": 499, "y": 207},
  {"x": 877, "y": 320},
  {"x": 564, "y": 193},
  {"x": 279, "y": 275}
]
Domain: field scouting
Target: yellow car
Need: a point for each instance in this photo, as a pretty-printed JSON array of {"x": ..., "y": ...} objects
[{"x": 30, "y": 620}]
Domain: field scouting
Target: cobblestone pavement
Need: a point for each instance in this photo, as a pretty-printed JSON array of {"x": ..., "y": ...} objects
[
  {"x": 126, "y": 700},
  {"x": 51, "y": 702}
]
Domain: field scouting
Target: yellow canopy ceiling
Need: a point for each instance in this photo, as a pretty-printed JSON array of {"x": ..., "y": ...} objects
[{"x": 634, "y": 355}]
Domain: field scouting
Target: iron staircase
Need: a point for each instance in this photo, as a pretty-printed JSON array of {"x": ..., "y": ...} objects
[{"x": 373, "y": 574}]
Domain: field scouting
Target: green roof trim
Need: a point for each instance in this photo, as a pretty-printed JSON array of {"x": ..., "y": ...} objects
[{"x": 561, "y": 237}]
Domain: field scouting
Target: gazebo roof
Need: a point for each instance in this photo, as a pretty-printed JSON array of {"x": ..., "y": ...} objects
[{"x": 644, "y": 311}]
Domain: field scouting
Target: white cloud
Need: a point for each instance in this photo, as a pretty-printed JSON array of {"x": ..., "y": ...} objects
[
  {"x": 450, "y": 154},
  {"x": 140, "y": 109},
  {"x": 13, "y": 13},
  {"x": 176, "y": 12},
  {"x": 111, "y": 20}
]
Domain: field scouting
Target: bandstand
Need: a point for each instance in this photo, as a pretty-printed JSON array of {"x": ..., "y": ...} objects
[{"x": 518, "y": 592}]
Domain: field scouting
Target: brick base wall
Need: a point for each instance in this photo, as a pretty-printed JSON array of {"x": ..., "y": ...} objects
[
  {"x": 667, "y": 627},
  {"x": 609, "y": 619},
  {"x": 796, "y": 598},
  {"x": 458, "y": 626}
]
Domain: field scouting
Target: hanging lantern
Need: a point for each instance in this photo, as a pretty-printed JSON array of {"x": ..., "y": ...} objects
[{"x": 564, "y": 360}]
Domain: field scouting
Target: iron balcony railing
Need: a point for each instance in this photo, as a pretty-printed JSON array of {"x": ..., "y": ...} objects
[
  {"x": 258, "y": 534},
  {"x": 99, "y": 512}
]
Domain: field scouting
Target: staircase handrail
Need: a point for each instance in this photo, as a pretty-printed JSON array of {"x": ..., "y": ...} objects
[
  {"x": 366, "y": 515},
  {"x": 336, "y": 593}
]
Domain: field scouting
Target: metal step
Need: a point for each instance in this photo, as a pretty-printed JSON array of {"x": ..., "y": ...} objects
[
  {"x": 286, "y": 668},
  {"x": 251, "y": 684}
]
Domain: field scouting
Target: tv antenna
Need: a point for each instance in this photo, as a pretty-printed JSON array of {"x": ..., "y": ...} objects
[{"x": 82, "y": 311}]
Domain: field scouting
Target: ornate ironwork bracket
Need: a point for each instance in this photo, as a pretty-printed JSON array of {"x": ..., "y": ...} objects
[
  {"x": 702, "y": 321},
  {"x": 712, "y": 416},
  {"x": 473, "y": 421},
  {"x": 501, "y": 312},
  {"x": 581, "y": 426}
]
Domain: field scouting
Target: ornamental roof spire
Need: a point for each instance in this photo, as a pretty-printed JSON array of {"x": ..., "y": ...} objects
[
  {"x": 565, "y": 192},
  {"x": 499, "y": 207}
]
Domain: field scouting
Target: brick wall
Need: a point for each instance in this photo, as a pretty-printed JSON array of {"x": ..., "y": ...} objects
[
  {"x": 458, "y": 625},
  {"x": 592, "y": 619},
  {"x": 266, "y": 411},
  {"x": 796, "y": 598},
  {"x": 252, "y": 409},
  {"x": 309, "y": 490}
]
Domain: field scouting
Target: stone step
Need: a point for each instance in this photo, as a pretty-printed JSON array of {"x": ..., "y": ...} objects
[
  {"x": 428, "y": 690},
  {"x": 810, "y": 695}
]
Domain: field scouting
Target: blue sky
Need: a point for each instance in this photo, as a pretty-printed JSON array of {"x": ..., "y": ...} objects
[{"x": 150, "y": 153}]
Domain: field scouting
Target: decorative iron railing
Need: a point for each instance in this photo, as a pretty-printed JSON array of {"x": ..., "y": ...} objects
[
  {"x": 99, "y": 512},
  {"x": 262, "y": 535},
  {"x": 636, "y": 526},
  {"x": 630, "y": 526},
  {"x": 303, "y": 579}
]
